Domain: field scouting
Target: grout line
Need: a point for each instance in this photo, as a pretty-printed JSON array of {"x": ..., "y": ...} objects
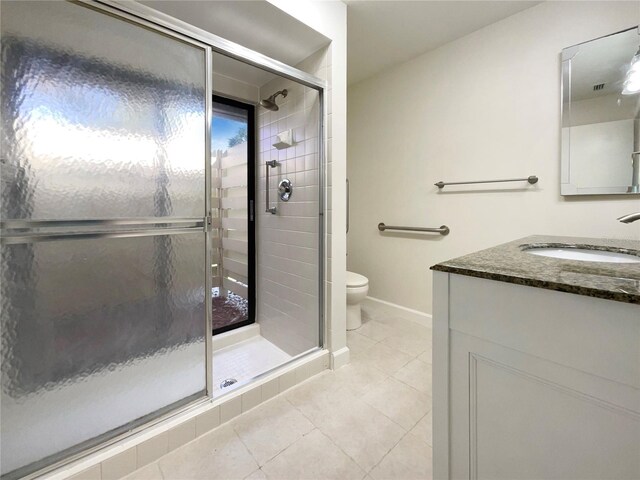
[
  {"x": 233, "y": 427},
  {"x": 386, "y": 454}
]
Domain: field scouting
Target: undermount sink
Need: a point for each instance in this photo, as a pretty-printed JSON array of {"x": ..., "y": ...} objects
[{"x": 582, "y": 254}]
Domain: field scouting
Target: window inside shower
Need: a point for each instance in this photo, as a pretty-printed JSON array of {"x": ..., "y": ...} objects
[{"x": 232, "y": 194}]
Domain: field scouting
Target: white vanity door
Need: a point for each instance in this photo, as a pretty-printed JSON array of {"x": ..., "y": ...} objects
[{"x": 535, "y": 383}]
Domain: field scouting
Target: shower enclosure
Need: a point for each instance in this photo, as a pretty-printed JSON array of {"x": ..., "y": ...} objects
[{"x": 122, "y": 226}]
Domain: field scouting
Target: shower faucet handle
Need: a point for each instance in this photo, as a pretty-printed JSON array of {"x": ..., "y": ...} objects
[{"x": 285, "y": 189}]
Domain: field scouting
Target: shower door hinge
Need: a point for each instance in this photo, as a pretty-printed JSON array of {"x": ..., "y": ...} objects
[
  {"x": 251, "y": 210},
  {"x": 208, "y": 222}
]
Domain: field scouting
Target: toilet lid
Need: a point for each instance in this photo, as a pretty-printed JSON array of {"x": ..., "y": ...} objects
[{"x": 356, "y": 280}]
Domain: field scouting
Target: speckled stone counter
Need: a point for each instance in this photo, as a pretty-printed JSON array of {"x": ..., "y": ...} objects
[{"x": 510, "y": 263}]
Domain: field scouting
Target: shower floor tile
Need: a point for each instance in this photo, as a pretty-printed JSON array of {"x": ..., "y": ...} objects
[{"x": 244, "y": 360}]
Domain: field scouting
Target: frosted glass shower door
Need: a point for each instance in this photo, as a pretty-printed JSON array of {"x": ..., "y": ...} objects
[{"x": 104, "y": 214}]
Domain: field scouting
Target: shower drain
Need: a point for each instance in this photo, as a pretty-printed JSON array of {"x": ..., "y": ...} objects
[{"x": 228, "y": 382}]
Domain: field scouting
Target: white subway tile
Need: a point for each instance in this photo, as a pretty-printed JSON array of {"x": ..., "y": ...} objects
[
  {"x": 270, "y": 389},
  {"x": 91, "y": 473},
  {"x": 152, "y": 449},
  {"x": 287, "y": 380},
  {"x": 181, "y": 434},
  {"x": 252, "y": 398},
  {"x": 119, "y": 465},
  {"x": 207, "y": 421},
  {"x": 230, "y": 409}
]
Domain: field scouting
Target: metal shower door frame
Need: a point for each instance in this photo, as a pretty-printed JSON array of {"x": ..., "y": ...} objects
[
  {"x": 149, "y": 18},
  {"x": 113, "y": 228},
  {"x": 256, "y": 59}
]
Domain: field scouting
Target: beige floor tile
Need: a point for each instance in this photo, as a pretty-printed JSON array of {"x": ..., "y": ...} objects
[
  {"x": 424, "y": 428},
  {"x": 401, "y": 403},
  {"x": 148, "y": 472},
  {"x": 411, "y": 459},
  {"x": 358, "y": 343},
  {"x": 314, "y": 456},
  {"x": 415, "y": 329},
  {"x": 406, "y": 343},
  {"x": 416, "y": 374},
  {"x": 357, "y": 377},
  {"x": 361, "y": 431},
  {"x": 376, "y": 330},
  {"x": 395, "y": 321},
  {"x": 217, "y": 455},
  {"x": 426, "y": 356},
  {"x": 257, "y": 475},
  {"x": 383, "y": 358},
  {"x": 270, "y": 428},
  {"x": 317, "y": 396}
]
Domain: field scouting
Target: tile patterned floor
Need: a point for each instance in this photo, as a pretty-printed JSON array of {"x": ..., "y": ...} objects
[{"x": 368, "y": 420}]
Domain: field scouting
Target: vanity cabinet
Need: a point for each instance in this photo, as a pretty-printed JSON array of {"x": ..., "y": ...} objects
[{"x": 533, "y": 382}]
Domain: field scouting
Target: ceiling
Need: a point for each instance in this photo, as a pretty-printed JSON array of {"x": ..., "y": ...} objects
[
  {"x": 385, "y": 33},
  {"x": 255, "y": 24}
]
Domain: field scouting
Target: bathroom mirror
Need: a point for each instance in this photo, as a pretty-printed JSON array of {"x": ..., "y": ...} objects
[{"x": 600, "y": 116}]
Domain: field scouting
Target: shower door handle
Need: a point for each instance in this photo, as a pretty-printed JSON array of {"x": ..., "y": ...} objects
[{"x": 272, "y": 164}]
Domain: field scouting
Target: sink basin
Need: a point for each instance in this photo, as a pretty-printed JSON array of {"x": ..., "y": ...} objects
[{"x": 583, "y": 254}]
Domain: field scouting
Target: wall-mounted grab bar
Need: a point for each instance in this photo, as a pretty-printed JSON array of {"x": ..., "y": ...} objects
[
  {"x": 347, "y": 205},
  {"x": 442, "y": 230},
  {"x": 531, "y": 179},
  {"x": 272, "y": 164}
]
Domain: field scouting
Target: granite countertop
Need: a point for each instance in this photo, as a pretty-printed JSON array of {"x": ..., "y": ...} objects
[{"x": 509, "y": 263}]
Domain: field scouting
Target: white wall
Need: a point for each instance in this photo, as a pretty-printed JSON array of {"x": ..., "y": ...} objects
[
  {"x": 601, "y": 154},
  {"x": 330, "y": 19},
  {"x": 482, "y": 107},
  {"x": 235, "y": 88}
]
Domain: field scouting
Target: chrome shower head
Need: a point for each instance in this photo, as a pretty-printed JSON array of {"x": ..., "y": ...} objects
[{"x": 270, "y": 103}]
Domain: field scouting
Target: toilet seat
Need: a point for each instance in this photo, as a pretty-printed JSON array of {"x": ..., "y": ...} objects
[{"x": 355, "y": 280}]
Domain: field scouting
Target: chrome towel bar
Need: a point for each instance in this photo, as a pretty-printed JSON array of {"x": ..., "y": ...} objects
[
  {"x": 531, "y": 179},
  {"x": 442, "y": 230}
]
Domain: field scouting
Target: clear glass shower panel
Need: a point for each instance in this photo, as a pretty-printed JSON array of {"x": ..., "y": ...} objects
[
  {"x": 290, "y": 240},
  {"x": 102, "y": 117},
  {"x": 97, "y": 333}
]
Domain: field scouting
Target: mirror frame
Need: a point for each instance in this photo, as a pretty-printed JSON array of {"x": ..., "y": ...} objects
[{"x": 566, "y": 187}]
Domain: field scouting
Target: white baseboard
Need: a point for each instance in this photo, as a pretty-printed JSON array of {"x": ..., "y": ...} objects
[
  {"x": 416, "y": 316},
  {"x": 340, "y": 358}
]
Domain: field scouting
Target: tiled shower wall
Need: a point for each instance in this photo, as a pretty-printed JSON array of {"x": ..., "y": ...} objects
[{"x": 288, "y": 242}]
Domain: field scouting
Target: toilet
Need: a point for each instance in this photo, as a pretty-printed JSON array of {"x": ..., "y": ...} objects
[{"x": 357, "y": 289}]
